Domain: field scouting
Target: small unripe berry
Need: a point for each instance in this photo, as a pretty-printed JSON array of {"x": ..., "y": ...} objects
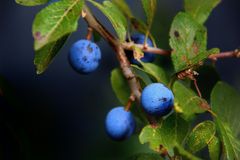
[
  {"x": 84, "y": 56},
  {"x": 157, "y": 99},
  {"x": 119, "y": 124}
]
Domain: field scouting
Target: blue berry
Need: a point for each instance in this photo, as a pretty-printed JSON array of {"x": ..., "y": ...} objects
[
  {"x": 157, "y": 99},
  {"x": 139, "y": 39},
  {"x": 84, "y": 56},
  {"x": 119, "y": 124}
]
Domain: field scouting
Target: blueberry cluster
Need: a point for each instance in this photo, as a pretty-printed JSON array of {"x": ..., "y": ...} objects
[{"x": 156, "y": 99}]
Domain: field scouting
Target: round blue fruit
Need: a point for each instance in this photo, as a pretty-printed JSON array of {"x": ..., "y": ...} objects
[
  {"x": 157, "y": 99},
  {"x": 139, "y": 39},
  {"x": 84, "y": 56},
  {"x": 119, "y": 124}
]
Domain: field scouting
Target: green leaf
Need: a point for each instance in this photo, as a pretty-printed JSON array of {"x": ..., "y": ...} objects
[
  {"x": 187, "y": 103},
  {"x": 230, "y": 142},
  {"x": 123, "y": 6},
  {"x": 146, "y": 156},
  {"x": 172, "y": 130},
  {"x": 179, "y": 150},
  {"x": 149, "y": 7},
  {"x": 139, "y": 25},
  {"x": 45, "y": 55},
  {"x": 156, "y": 72},
  {"x": 201, "y": 57},
  {"x": 141, "y": 75},
  {"x": 200, "y": 9},
  {"x": 188, "y": 39},
  {"x": 225, "y": 104},
  {"x": 31, "y": 2},
  {"x": 56, "y": 21},
  {"x": 114, "y": 14},
  {"x": 120, "y": 86},
  {"x": 214, "y": 147},
  {"x": 201, "y": 136}
]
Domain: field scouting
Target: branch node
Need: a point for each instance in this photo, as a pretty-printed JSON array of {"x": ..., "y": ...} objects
[
  {"x": 190, "y": 73},
  {"x": 84, "y": 14}
]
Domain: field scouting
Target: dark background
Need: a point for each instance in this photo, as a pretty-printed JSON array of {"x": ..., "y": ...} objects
[{"x": 60, "y": 114}]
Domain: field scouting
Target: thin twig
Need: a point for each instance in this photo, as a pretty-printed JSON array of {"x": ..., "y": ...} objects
[
  {"x": 154, "y": 50},
  {"x": 197, "y": 88},
  {"x": 227, "y": 54},
  {"x": 190, "y": 74},
  {"x": 129, "y": 46}
]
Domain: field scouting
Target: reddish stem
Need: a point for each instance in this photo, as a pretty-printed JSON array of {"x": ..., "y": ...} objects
[
  {"x": 197, "y": 88},
  {"x": 144, "y": 48},
  {"x": 154, "y": 50},
  {"x": 89, "y": 33},
  {"x": 227, "y": 54},
  {"x": 129, "y": 103}
]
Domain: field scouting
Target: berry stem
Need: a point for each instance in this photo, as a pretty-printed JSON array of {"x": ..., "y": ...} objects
[
  {"x": 197, "y": 88},
  {"x": 89, "y": 33},
  {"x": 129, "y": 103}
]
